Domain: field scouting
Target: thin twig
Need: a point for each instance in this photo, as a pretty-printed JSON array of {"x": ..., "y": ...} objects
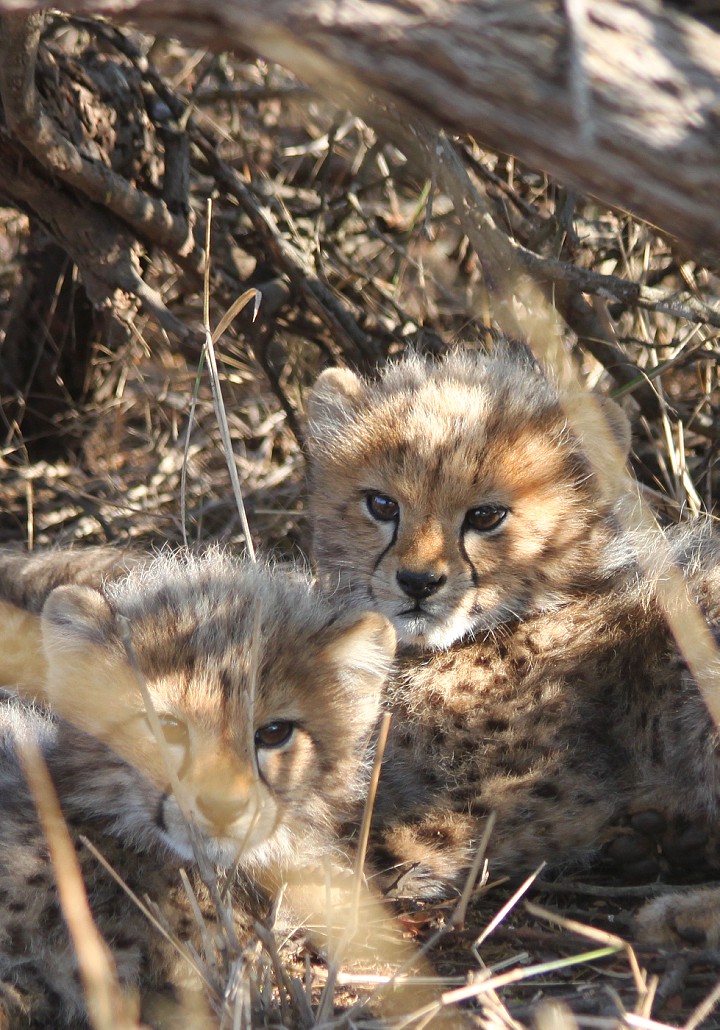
[{"x": 97, "y": 970}]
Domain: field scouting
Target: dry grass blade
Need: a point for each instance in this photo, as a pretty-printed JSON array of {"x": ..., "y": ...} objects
[
  {"x": 325, "y": 214},
  {"x": 235, "y": 308},
  {"x": 220, "y": 412},
  {"x": 181, "y": 949},
  {"x": 508, "y": 906},
  {"x": 484, "y": 983},
  {"x": 458, "y": 916},
  {"x": 284, "y": 986},
  {"x": 368, "y": 807},
  {"x": 326, "y": 1000},
  {"x": 592, "y": 933},
  {"x": 186, "y": 451},
  {"x": 107, "y": 1009},
  {"x": 517, "y": 296},
  {"x": 704, "y": 1009},
  {"x": 492, "y": 983},
  {"x": 207, "y": 870},
  {"x": 176, "y": 786}
]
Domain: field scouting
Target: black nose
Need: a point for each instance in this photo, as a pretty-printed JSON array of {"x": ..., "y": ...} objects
[{"x": 419, "y": 584}]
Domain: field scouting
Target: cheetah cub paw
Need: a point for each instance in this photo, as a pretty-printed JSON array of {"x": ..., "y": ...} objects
[{"x": 681, "y": 920}]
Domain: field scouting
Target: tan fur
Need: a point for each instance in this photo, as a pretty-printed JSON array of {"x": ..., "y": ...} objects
[
  {"x": 539, "y": 679},
  {"x": 441, "y": 444},
  {"x": 228, "y": 651},
  {"x": 25, "y": 582},
  {"x": 677, "y": 920},
  {"x": 22, "y": 660}
]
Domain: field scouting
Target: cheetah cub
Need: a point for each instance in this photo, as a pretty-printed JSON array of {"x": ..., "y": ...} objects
[
  {"x": 537, "y": 676},
  {"x": 266, "y": 697}
]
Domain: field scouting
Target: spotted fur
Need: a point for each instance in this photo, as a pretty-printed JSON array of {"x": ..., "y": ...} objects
[
  {"x": 266, "y": 696},
  {"x": 538, "y": 678}
]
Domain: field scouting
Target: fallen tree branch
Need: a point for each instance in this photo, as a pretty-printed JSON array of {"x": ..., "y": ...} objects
[{"x": 625, "y": 109}]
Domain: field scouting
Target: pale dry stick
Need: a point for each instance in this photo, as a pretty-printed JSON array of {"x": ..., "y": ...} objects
[
  {"x": 493, "y": 983},
  {"x": 381, "y": 979},
  {"x": 220, "y": 413},
  {"x": 326, "y": 999},
  {"x": 458, "y": 916},
  {"x": 683, "y": 489},
  {"x": 186, "y": 452},
  {"x": 380, "y": 746},
  {"x": 592, "y": 933},
  {"x": 207, "y": 871},
  {"x": 181, "y": 948},
  {"x": 508, "y": 906},
  {"x": 97, "y": 970},
  {"x": 644, "y": 1004},
  {"x": 691, "y": 495},
  {"x": 703, "y": 1009},
  {"x": 30, "y": 520}
]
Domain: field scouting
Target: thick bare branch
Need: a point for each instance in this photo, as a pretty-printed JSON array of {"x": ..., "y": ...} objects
[{"x": 623, "y": 106}]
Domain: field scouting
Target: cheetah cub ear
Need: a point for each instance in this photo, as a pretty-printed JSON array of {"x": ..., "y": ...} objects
[
  {"x": 361, "y": 648},
  {"x": 88, "y": 680},
  {"x": 599, "y": 417},
  {"x": 334, "y": 399}
]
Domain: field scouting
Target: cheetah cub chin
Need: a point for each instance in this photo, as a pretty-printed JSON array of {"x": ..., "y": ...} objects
[
  {"x": 538, "y": 678},
  {"x": 266, "y": 697}
]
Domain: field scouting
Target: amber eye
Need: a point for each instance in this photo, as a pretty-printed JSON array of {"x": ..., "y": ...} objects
[
  {"x": 275, "y": 734},
  {"x": 382, "y": 508},
  {"x": 486, "y": 517}
]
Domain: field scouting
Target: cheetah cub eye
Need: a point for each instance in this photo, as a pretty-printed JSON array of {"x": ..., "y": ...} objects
[
  {"x": 274, "y": 735},
  {"x": 382, "y": 507},
  {"x": 486, "y": 517}
]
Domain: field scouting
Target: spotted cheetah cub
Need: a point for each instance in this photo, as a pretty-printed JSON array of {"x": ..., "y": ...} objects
[
  {"x": 266, "y": 697},
  {"x": 538, "y": 678}
]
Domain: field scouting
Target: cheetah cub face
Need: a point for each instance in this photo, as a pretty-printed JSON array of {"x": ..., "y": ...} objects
[
  {"x": 265, "y": 696},
  {"x": 451, "y": 497}
]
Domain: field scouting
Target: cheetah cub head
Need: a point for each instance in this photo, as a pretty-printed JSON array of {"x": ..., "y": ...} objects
[
  {"x": 266, "y": 697},
  {"x": 451, "y": 496}
]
